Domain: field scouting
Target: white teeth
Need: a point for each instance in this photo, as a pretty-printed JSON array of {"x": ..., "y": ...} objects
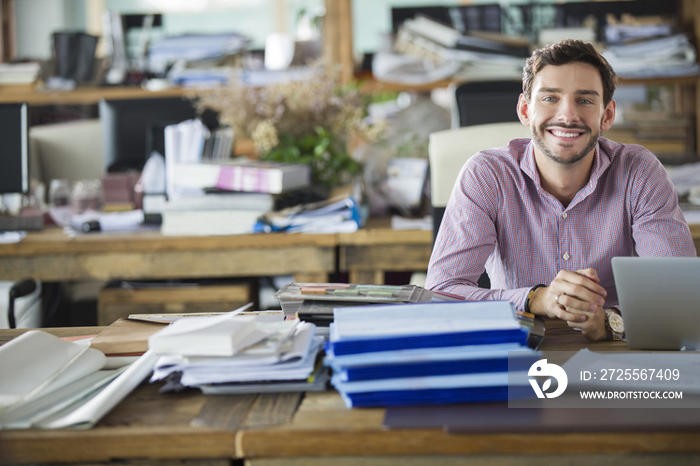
[{"x": 562, "y": 134}]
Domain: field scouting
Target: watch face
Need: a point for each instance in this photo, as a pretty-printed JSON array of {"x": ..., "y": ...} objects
[{"x": 616, "y": 323}]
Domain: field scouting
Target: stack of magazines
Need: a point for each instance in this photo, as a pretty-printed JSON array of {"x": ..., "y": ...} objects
[
  {"x": 234, "y": 353},
  {"x": 434, "y": 353},
  {"x": 314, "y": 302}
]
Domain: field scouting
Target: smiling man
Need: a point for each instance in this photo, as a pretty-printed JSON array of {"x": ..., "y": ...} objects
[{"x": 544, "y": 216}]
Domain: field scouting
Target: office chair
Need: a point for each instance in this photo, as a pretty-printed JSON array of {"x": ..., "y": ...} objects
[
  {"x": 449, "y": 150},
  {"x": 479, "y": 103},
  {"x": 21, "y": 289}
]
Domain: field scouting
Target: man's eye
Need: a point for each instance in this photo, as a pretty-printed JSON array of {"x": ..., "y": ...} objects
[{"x": 549, "y": 99}]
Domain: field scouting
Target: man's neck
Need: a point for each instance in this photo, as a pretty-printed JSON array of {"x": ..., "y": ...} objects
[{"x": 563, "y": 181}]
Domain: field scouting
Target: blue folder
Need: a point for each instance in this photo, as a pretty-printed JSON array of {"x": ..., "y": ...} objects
[
  {"x": 431, "y": 368},
  {"x": 436, "y": 396},
  {"x": 437, "y": 340}
]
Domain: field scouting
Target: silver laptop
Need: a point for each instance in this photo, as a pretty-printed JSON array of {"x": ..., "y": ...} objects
[{"x": 660, "y": 301}]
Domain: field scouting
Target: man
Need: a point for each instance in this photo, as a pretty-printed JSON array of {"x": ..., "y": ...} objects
[{"x": 546, "y": 215}]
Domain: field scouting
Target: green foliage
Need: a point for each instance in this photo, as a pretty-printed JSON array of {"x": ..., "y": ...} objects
[{"x": 331, "y": 165}]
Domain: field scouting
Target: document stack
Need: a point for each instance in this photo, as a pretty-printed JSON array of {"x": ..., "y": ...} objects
[
  {"x": 420, "y": 354},
  {"x": 430, "y": 50},
  {"x": 314, "y": 302},
  {"x": 339, "y": 214},
  {"x": 209, "y": 193},
  {"x": 234, "y": 353},
  {"x": 670, "y": 56},
  {"x": 19, "y": 74}
]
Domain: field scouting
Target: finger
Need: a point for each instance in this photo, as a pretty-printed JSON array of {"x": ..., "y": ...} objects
[
  {"x": 565, "y": 314},
  {"x": 589, "y": 304},
  {"x": 590, "y": 273},
  {"x": 573, "y": 279}
]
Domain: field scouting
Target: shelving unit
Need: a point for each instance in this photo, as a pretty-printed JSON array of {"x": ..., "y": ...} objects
[
  {"x": 338, "y": 46},
  {"x": 687, "y": 89}
]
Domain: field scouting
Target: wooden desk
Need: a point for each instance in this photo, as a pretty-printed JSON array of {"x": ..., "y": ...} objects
[
  {"x": 50, "y": 255},
  {"x": 366, "y": 254},
  {"x": 264, "y": 430}
]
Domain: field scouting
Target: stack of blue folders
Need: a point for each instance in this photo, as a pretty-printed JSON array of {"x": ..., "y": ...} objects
[{"x": 431, "y": 353}]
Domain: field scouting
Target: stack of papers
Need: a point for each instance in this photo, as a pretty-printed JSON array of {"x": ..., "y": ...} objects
[
  {"x": 194, "y": 47},
  {"x": 51, "y": 383},
  {"x": 19, "y": 73},
  {"x": 416, "y": 354},
  {"x": 670, "y": 56},
  {"x": 234, "y": 353},
  {"x": 333, "y": 216},
  {"x": 431, "y": 51}
]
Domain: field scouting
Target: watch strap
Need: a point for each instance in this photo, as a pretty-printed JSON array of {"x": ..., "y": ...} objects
[{"x": 529, "y": 296}]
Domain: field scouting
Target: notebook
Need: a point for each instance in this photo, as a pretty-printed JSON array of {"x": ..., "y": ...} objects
[{"x": 660, "y": 301}]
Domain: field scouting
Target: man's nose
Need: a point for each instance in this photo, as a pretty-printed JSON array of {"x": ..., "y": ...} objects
[{"x": 567, "y": 112}]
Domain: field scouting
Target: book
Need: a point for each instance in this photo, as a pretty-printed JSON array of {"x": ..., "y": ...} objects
[
  {"x": 223, "y": 335},
  {"x": 241, "y": 175},
  {"x": 19, "y": 73},
  {"x": 261, "y": 202},
  {"x": 209, "y": 222}
]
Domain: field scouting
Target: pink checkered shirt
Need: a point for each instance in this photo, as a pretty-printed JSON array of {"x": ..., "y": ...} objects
[{"x": 500, "y": 217}]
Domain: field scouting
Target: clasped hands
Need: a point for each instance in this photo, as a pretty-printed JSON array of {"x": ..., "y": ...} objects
[{"x": 577, "y": 298}]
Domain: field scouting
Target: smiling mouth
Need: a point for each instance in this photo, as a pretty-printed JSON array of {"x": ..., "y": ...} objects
[{"x": 565, "y": 133}]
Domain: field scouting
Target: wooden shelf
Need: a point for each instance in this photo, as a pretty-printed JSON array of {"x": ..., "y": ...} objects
[
  {"x": 369, "y": 83},
  {"x": 83, "y": 95}
]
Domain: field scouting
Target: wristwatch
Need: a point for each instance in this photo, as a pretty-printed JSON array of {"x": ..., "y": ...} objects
[{"x": 614, "y": 323}]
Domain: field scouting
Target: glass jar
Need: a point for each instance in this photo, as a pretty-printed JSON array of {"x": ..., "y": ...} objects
[
  {"x": 86, "y": 195},
  {"x": 59, "y": 193}
]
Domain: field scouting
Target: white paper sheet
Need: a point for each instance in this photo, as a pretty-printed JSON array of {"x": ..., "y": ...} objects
[
  {"x": 37, "y": 363},
  {"x": 91, "y": 412}
]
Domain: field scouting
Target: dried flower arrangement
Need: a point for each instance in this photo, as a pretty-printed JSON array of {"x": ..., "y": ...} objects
[{"x": 309, "y": 120}]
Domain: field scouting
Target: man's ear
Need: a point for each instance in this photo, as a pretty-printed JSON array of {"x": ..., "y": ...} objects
[
  {"x": 522, "y": 110},
  {"x": 608, "y": 116}
]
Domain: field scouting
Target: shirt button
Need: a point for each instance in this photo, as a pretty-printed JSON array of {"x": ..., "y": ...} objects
[
  {"x": 566, "y": 256},
  {"x": 564, "y": 215}
]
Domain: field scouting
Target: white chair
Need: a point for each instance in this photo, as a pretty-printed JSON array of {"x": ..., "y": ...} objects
[{"x": 448, "y": 151}]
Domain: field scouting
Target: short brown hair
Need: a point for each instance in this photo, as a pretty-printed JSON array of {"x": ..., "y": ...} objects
[{"x": 567, "y": 51}]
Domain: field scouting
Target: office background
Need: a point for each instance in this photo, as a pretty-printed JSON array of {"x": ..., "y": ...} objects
[{"x": 37, "y": 19}]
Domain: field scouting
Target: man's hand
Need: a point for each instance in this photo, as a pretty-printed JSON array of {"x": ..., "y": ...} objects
[{"x": 577, "y": 298}]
